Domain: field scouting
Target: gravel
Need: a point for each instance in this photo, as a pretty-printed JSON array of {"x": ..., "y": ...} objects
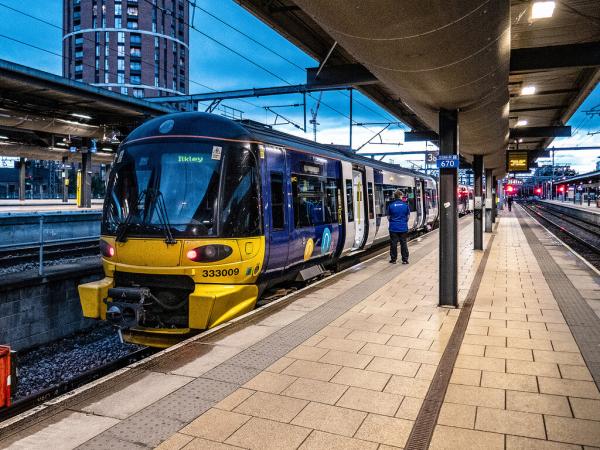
[
  {"x": 64, "y": 359},
  {"x": 31, "y": 266}
]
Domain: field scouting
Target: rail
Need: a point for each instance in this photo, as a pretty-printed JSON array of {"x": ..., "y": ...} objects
[{"x": 41, "y": 242}]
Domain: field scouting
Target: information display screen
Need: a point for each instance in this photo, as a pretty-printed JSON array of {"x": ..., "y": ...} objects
[{"x": 517, "y": 161}]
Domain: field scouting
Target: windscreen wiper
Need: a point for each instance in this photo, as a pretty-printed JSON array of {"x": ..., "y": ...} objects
[
  {"x": 124, "y": 226},
  {"x": 157, "y": 199}
]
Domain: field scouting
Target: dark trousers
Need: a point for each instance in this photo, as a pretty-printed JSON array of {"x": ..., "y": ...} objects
[{"x": 395, "y": 237}]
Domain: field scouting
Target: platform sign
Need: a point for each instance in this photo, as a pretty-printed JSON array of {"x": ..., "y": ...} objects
[
  {"x": 8, "y": 162},
  {"x": 447, "y": 161},
  {"x": 517, "y": 161}
]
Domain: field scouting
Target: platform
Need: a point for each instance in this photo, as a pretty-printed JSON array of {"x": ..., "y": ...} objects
[
  {"x": 349, "y": 362},
  {"x": 9, "y": 206},
  {"x": 592, "y": 208}
]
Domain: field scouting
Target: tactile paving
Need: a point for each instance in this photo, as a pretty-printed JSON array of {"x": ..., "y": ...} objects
[{"x": 232, "y": 373}]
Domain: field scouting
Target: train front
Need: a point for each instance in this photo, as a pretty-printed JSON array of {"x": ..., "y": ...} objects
[{"x": 181, "y": 241}]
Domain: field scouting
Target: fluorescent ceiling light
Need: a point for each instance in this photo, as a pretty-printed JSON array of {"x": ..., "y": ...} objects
[
  {"x": 62, "y": 144},
  {"x": 528, "y": 90},
  {"x": 542, "y": 10},
  {"x": 3, "y": 137},
  {"x": 522, "y": 123},
  {"x": 81, "y": 116},
  {"x": 520, "y": 140}
]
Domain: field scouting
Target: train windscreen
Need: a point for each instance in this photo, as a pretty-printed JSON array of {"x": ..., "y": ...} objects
[{"x": 179, "y": 186}]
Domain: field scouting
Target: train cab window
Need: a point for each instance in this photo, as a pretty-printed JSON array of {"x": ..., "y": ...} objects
[
  {"x": 277, "y": 201},
  {"x": 349, "y": 201},
  {"x": 239, "y": 195},
  {"x": 370, "y": 202}
]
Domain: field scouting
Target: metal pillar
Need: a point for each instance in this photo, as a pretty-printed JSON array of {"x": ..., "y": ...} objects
[
  {"x": 22, "y": 175},
  {"x": 494, "y": 198},
  {"x": 86, "y": 180},
  {"x": 448, "y": 278},
  {"x": 478, "y": 203},
  {"x": 65, "y": 180},
  {"x": 488, "y": 200},
  {"x": 350, "y": 145}
]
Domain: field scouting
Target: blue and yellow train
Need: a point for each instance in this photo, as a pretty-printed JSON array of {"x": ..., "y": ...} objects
[{"x": 203, "y": 213}]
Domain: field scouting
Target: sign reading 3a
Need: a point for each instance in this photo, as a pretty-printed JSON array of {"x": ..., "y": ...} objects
[{"x": 517, "y": 161}]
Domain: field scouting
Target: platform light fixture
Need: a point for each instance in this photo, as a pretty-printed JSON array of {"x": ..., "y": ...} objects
[
  {"x": 4, "y": 138},
  {"x": 522, "y": 123},
  {"x": 81, "y": 116},
  {"x": 542, "y": 10},
  {"x": 528, "y": 90}
]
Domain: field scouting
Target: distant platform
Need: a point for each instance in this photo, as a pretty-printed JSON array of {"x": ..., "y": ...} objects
[
  {"x": 46, "y": 205},
  {"x": 569, "y": 204}
]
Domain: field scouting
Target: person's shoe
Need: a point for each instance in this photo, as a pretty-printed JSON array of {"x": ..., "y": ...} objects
[
  {"x": 404, "y": 262},
  {"x": 392, "y": 261}
]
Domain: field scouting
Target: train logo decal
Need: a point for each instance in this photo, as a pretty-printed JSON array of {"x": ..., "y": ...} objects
[
  {"x": 325, "y": 241},
  {"x": 308, "y": 249},
  {"x": 166, "y": 126}
]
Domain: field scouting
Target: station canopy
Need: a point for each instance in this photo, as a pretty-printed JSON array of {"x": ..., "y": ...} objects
[
  {"x": 43, "y": 116},
  {"x": 515, "y": 76}
]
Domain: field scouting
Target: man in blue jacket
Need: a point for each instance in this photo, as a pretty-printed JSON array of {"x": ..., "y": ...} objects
[{"x": 398, "y": 213}]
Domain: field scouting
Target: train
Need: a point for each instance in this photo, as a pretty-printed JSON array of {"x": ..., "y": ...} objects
[{"x": 203, "y": 213}]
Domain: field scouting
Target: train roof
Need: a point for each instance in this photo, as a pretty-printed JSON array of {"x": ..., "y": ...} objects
[{"x": 215, "y": 126}]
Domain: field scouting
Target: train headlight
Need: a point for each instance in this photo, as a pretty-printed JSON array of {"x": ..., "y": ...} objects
[
  {"x": 106, "y": 249},
  {"x": 209, "y": 253}
]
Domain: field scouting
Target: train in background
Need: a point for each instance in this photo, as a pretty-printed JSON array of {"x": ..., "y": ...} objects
[
  {"x": 203, "y": 213},
  {"x": 465, "y": 199}
]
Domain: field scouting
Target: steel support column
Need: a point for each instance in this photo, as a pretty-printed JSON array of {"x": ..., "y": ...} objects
[
  {"x": 22, "y": 175},
  {"x": 65, "y": 180},
  {"x": 86, "y": 180},
  {"x": 478, "y": 204},
  {"x": 488, "y": 200},
  {"x": 448, "y": 251}
]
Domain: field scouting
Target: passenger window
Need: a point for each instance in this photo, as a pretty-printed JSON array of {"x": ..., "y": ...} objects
[
  {"x": 315, "y": 200},
  {"x": 379, "y": 201},
  {"x": 277, "y": 201},
  {"x": 349, "y": 201},
  {"x": 370, "y": 202}
]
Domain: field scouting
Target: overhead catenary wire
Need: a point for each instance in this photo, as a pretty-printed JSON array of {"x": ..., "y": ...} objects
[
  {"x": 279, "y": 55},
  {"x": 254, "y": 63}
]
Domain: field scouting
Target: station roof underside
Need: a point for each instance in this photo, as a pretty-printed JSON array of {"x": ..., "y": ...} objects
[
  {"x": 560, "y": 56},
  {"x": 37, "y": 107}
]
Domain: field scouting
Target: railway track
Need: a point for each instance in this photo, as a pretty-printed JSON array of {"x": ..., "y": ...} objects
[
  {"x": 583, "y": 237},
  {"x": 31, "y": 401},
  {"x": 13, "y": 256}
]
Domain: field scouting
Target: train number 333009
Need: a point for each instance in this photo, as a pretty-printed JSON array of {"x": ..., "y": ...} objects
[{"x": 220, "y": 272}]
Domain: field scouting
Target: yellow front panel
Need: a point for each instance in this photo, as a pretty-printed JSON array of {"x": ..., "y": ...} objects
[
  {"x": 151, "y": 256},
  {"x": 148, "y": 252}
]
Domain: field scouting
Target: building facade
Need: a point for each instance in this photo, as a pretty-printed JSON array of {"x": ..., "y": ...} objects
[{"x": 134, "y": 47}]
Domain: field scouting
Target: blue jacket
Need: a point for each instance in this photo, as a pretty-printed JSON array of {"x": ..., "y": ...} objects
[{"x": 398, "y": 212}]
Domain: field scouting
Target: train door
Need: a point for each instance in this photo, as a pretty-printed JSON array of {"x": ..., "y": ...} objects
[
  {"x": 275, "y": 192},
  {"x": 360, "y": 208}
]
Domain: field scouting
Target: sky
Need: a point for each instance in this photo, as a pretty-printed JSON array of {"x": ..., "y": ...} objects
[{"x": 213, "y": 67}]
